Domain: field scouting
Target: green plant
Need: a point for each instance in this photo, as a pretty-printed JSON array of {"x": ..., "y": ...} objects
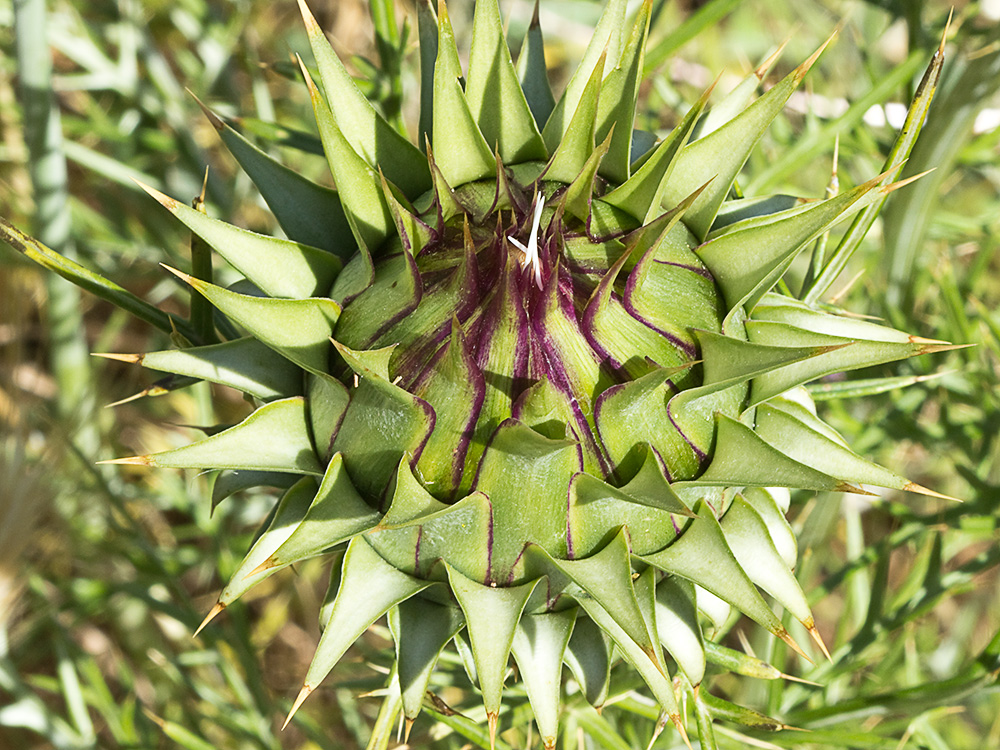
[{"x": 629, "y": 232}]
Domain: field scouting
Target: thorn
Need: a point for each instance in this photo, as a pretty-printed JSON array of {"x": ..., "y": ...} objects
[
  {"x": 213, "y": 118},
  {"x": 934, "y": 348},
  {"x": 199, "y": 202},
  {"x": 661, "y": 722},
  {"x": 132, "y": 359},
  {"x": 794, "y": 729},
  {"x": 801, "y": 71},
  {"x": 212, "y": 614},
  {"x": 814, "y": 632},
  {"x": 299, "y": 699},
  {"x": 131, "y": 461},
  {"x": 922, "y": 340},
  {"x": 491, "y": 720},
  {"x": 183, "y": 276},
  {"x": 804, "y": 681},
  {"x": 676, "y": 719},
  {"x": 153, "y": 390},
  {"x": 407, "y": 726},
  {"x": 761, "y": 70},
  {"x": 266, "y": 565},
  {"x": 947, "y": 28},
  {"x": 164, "y": 200},
  {"x": 914, "y": 487},
  {"x": 783, "y": 635},
  {"x": 847, "y": 287},
  {"x": 308, "y": 19},
  {"x": 854, "y": 489},
  {"x": 893, "y": 187}
]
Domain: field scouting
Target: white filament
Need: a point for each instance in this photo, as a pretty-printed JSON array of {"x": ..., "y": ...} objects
[{"x": 531, "y": 257}]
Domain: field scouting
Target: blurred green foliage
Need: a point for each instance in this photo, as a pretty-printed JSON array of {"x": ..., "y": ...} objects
[{"x": 104, "y": 575}]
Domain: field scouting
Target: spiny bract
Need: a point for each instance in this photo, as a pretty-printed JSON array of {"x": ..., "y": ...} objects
[{"x": 529, "y": 379}]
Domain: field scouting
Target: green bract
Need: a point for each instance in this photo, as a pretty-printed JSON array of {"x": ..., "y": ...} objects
[{"x": 528, "y": 378}]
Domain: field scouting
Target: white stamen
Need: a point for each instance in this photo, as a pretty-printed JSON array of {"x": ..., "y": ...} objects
[{"x": 531, "y": 251}]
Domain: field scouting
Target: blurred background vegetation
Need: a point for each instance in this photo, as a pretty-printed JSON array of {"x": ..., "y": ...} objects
[{"x": 104, "y": 573}]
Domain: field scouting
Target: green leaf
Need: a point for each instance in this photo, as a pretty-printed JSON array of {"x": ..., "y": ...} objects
[
  {"x": 532, "y": 73},
  {"x": 491, "y": 617},
  {"x": 588, "y": 657},
  {"x": 742, "y": 458},
  {"x": 455, "y": 389},
  {"x": 720, "y": 156},
  {"x": 641, "y": 195},
  {"x": 369, "y": 587},
  {"x": 747, "y": 258},
  {"x": 634, "y": 414},
  {"x": 281, "y": 268},
  {"x": 678, "y": 627},
  {"x": 421, "y": 630},
  {"x": 244, "y": 364},
  {"x": 287, "y": 516},
  {"x": 337, "y": 514},
  {"x": 382, "y": 423},
  {"x": 461, "y": 151},
  {"x": 309, "y": 213},
  {"x": 298, "y": 329},
  {"x": 229, "y": 482},
  {"x": 93, "y": 283},
  {"x": 273, "y": 438},
  {"x": 575, "y": 146},
  {"x": 427, "y": 31},
  {"x": 538, "y": 646},
  {"x": 595, "y": 507},
  {"x": 359, "y": 186},
  {"x": 532, "y": 509},
  {"x": 604, "y": 46},
  {"x": 800, "y": 441},
  {"x": 328, "y": 399},
  {"x": 748, "y": 538},
  {"x": 762, "y": 500},
  {"x": 702, "y": 556},
  {"x": 494, "y": 94},
  {"x": 371, "y": 137},
  {"x": 620, "y": 91},
  {"x": 606, "y": 577},
  {"x": 394, "y": 293},
  {"x": 578, "y": 195},
  {"x": 849, "y": 354}
]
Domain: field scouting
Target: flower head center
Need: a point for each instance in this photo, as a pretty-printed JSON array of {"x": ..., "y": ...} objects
[{"x": 531, "y": 257}]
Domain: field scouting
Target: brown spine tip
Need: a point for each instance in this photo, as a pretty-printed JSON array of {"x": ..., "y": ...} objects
[
  {"x": 800, "y": 72},
  {"x": 679, "y": 726},
  {"x": 535, "y": 23},
  {"x": 212, "y": 614},
  {"x": 892, "y": 187},
  {"x": 853, "y": 489},
  {"x": 308, "y": 19},
  {"x": 914, "y": 487},
  {"x": 934, "y": 348},
  {"x": 804, "y": 681},
  {"x": 814, "y": 633},
  {"x": 131, "y": 461},
  {"x": 132, "y": 359},
  {"x": 784, "y": 635},
  {"x": 407, "y": 726},
  {"x": 947, "y": 28},
  {"x": 491, "y": 720},
  {"x": 213, "y": 118},
  {"x": 299, "y": 700},
  {"x": 269, "y": 563},
  {"x": 196, "y": 283},
  {"x": 164, "y": 200},
  {"x": 761, "y": 70}
]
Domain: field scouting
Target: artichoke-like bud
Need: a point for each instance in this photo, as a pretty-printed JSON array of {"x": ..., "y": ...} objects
[{"x": 527, "y": 383}]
